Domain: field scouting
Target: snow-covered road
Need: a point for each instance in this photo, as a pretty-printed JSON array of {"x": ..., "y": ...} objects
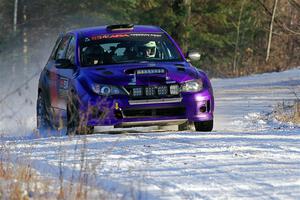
[{"x": 248, "y": 155}]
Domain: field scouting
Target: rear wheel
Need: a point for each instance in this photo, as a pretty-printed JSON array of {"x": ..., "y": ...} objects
[
  {"x": 43, "y": 122},
  {"x": 74, "y": 124},
  {"x": 205, "y": 126}
]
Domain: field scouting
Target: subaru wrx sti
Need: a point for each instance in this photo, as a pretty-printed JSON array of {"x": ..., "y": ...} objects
[{"x": 122, "y": 76}]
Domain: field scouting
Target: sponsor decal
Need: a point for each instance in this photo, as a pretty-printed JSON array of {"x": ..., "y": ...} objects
[
  {"x": 63, "y": 87},
  {"x": 117, "y": 106},
  {"x": 145, "y": 35},
  {"x": 109, "y": 36},
  {"x": 63, "y": 83}
]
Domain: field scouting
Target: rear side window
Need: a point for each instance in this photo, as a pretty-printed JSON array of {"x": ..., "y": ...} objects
[
  {"x": 62, "y": 48},
  {"x": 53, "y": 53},
  {"x": 70, "y": 55}
]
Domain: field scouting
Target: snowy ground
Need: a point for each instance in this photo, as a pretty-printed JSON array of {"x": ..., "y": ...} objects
[{"x": 248, "y": 156}]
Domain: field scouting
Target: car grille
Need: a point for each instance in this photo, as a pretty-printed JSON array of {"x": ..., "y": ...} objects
[
  {"x": 157, "y": 112},
  {"x": 153, "y": 92}
]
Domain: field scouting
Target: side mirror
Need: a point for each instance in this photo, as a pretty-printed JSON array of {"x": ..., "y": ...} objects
[
  {"x": 193, "y": 55},
  {"x": 64, "y": 64}
]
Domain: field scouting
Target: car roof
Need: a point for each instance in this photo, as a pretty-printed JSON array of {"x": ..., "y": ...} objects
[{"x": 99, "y": 30}]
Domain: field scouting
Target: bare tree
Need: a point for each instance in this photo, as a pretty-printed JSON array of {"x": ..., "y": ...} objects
[
  {"x": 295, "y": 4},
  {"x": 15, "y": 15},
  {"x": 271, "y": 30},
  {"x": 238, "y": 26},
  {"x": 182, "y": 8},
  {"x": 188, "y": 7}
]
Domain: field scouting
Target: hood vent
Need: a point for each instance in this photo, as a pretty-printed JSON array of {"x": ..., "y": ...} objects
[{"x": 181, "y": 69}]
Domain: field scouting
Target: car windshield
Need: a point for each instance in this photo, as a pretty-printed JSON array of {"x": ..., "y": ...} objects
[{"x": 126, "y": 48}]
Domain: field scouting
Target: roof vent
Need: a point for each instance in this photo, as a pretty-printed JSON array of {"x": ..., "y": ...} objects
[{"x": 120, "y": 27}]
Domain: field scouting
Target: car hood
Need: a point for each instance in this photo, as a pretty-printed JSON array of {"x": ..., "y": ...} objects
[{"x": 127, "y": 74}]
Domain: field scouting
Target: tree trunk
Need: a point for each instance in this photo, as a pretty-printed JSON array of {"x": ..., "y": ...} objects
[
  {"x": 15, "y": 22},
  {"x": 271, "y": 31},
  {"x": 182, "y": 9},
  {"x": 15, "y": 16},
  {"x": 25, "y": 38},
  {"x": 188, "y": 8},
  {"x": 236, "y": 51}
]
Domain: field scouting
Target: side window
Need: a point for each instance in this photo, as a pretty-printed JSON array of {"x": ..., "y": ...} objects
[
  {"x": 61, "y": 50},
  {"x": 53, "y": 53},
  {"x": 70, "y": 55}
]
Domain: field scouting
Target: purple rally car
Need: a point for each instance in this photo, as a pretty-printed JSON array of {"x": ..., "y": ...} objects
[{"x": 122, "y": 76}]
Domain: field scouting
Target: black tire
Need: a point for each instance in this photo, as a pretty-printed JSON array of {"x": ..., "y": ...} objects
[
  {"x": 205, "y": 126},
  {"x": 75, "y": 126},
  {"x": 42, "y": 116}
]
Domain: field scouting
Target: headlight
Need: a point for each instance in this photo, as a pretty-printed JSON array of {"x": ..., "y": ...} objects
[
  {"x": 107, "y": 90},
  {"x": 192, "y": 86}
]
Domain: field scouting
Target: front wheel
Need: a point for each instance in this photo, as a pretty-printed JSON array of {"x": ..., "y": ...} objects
[
  {"x": 42, "y": 117},
  {"x": 205, "y": 126},
  {"x": 74, "y": 124}
]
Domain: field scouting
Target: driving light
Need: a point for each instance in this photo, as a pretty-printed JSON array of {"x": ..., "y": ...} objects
[
  {"x": 137, "y": 91},
  {"x": 150, "y": 91},
  {"x": 174, "y": 89},
  {"x": 192, "y": 86},
  {"x": 106, "y": 90},
  {"x": 150, "y": 71},
  {"x": 162, "y": 90}
]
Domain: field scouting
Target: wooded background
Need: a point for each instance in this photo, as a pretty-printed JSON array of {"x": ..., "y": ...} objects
[{"x": 235, "y": 37}]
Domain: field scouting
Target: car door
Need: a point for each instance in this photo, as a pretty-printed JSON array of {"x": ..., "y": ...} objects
[
  {"x": 66, "y": 74},
  {"x": 60, "y": 76},
  {"x": 46, "y": 82}
]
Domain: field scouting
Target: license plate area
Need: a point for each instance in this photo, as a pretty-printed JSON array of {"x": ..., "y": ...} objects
[{"x": 155, "y": 112}]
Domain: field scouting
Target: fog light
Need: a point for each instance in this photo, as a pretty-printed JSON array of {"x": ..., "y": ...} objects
[
  {"x": 137, "y": 92},
  {"x": 174, "y": 89},
  {"x": 162, "y": 90},
  {"x": 203, "y": 109},
  {"x": 150, "y": 91}
]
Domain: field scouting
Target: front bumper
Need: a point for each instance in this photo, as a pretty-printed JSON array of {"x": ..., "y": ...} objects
[{"x": 120, "y": 111}]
